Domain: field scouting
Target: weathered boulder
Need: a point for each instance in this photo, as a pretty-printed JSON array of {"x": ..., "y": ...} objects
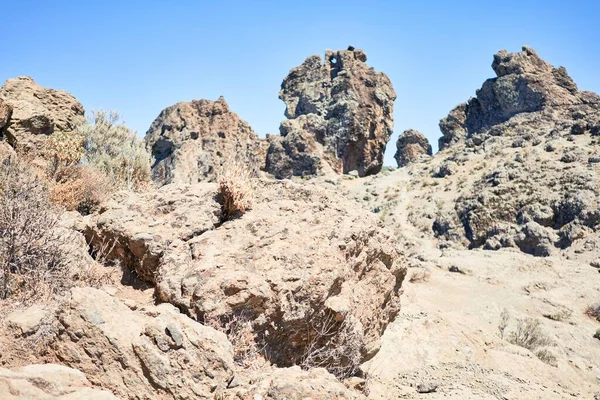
[
  {"x": 135, "y": 229},
  {"x": 351, "y": 109},
  {"x": 48, "y": 382},
  {"x": 192, "y": 141},
  {"x": 300, "y": 257},
  {"x": 37, "y": 112},
  {"x": 411, "y": 146},
  {"x": 153, "y": 352}
]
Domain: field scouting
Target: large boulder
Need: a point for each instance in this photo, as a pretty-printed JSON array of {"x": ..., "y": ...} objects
[
  {"x": 37, "y": 113},
  {"x": 300, "y": 257},
  {"x": 192, "y": 141},
  {"x": 350, "y": 109},
  {"x": 152, "y": 352},
  {"x": 411, "y": 146},
  {"x": 48, "y": 382}
]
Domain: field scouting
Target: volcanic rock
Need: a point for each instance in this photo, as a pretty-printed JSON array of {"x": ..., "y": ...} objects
[{"x": 341, "y": 104}]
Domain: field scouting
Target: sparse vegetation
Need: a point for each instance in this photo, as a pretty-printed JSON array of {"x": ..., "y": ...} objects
[
  {"x": 334, "y": 345},
  {"x": 529, "y": 335},
  {"x": 33, "y": 260},
  {"x": 593, "y": 311},
  {"x": 235, "y": 191},
  {"x": 248, "y": 352}
]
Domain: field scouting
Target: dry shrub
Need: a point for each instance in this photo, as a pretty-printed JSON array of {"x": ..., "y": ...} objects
[
  {"x": 248, "y": 352},
  {"x": 530, "y": 335},
  {"x": 334, "y": 345},
  {"x": 235, "y": 191},
  {"x": 33, "y": 260},
  {"x": 593, "y": 311},
  {"x": 78, "y": 188}
]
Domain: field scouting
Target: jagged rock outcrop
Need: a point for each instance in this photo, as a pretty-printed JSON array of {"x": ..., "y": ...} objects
[
  {"x": 48, "y": 382},
  {"x": 152, "y": 352},
  {"x": 298, "y": 254},
  {"x": 37, "y": 112},
  {"x": 192, "y": 141},
  {"x": 340, "y": 114},
  {"x": 545, "y": 98},
  {"x": 537, "y": 189},
  {"x": 411, "y": 146}
]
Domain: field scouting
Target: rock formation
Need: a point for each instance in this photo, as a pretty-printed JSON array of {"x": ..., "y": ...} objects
[
  {"x": 192, "y": 141},
  {"x": 526, "y": 86},
  {"x": 37, "y": 112},
  {"x": 411, "y": 146},
  {"x": 154, "y": 352},
  {"x": 340, "y": 117},
  {"x": 300, "y": 255}
]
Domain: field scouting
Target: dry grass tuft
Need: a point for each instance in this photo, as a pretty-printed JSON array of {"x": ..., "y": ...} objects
[{"x": 235, "y": 191}]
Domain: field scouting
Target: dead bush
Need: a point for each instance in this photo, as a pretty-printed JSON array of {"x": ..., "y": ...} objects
[
  {"x": 78, "y": 188},
  {"x": 248, "y": 352},
  {"x": 334, "y": 345},
  {"x": 33, "y": 260},
  {"x": 235, "y": 191}
]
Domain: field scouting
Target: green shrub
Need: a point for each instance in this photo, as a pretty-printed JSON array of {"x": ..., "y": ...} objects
[{"x": 113, "y": 149}]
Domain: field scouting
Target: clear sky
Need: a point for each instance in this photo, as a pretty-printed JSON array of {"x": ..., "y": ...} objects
[{"x": 139, "y": 57}]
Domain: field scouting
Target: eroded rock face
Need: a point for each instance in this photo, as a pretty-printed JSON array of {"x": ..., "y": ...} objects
[
  {"x": 191, "y": 141},
  {"x": 537, "y": 189},
  {"x": 299, "y": 253},
  {"x": 411, "y": 146},
  {"x": 525, "y": 85},
  {"x": 341, "y": 104},
  {"x": 37, "y": 112},
  {"x": 153, "y": 352},
  {"x": 46, "y": 382}
]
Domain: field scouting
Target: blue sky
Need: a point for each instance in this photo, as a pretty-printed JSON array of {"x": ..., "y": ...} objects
[{"x": 139, "y": 57}]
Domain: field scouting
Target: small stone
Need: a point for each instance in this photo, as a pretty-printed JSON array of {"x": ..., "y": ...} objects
[{"x": 427, "y": 387}]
